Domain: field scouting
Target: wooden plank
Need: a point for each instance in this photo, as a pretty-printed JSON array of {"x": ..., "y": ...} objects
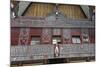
[
  {"x": 15, "y": 36},
  {"x": 35, "y": 31},
  {"x": 65, "y": 23},
  {"x": 76, "y": 32},
  {"x": 41, "y": 9},
  {"x": 92, "y": 35}
]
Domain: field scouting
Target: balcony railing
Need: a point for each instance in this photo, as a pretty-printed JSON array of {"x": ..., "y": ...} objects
[{"x": 47, "y": 51}]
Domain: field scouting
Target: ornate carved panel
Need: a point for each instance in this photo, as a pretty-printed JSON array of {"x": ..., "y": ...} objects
[
  {"x": 85, "y": 35},
  {"x": 24, "y": 36},
  {"x": 46, "y": 35},
  {"x": 66, "y": 36}
]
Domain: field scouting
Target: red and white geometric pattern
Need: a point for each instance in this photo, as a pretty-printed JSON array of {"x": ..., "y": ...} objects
[{"x": 46, "y": 35}]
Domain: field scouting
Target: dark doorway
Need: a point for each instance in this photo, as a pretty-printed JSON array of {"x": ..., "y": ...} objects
[{"x": 56, "y": 61}]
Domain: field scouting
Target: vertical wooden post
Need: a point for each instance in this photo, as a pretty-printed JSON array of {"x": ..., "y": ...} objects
[{"x": 45, "y": 61}]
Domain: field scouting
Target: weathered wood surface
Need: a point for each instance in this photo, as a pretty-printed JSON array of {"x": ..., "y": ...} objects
[{"x": 35, "y": 52}]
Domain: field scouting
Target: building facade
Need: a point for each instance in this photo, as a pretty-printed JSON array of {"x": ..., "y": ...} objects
[{"x": 45, "y": 31}]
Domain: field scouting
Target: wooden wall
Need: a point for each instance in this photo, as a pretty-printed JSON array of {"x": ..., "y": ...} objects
[
  {"x": 15, "y": 36},
  {"x": 72, "y": 11},
  {"x": 92, "y": 35},
  {"x": 41, "y": 9},
  {"x": 47, "y": 34}
]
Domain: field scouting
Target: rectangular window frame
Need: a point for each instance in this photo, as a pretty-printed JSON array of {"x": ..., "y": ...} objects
[
  {"x": 37, "y": 41},
  {"x": 77, "y": 38}
]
